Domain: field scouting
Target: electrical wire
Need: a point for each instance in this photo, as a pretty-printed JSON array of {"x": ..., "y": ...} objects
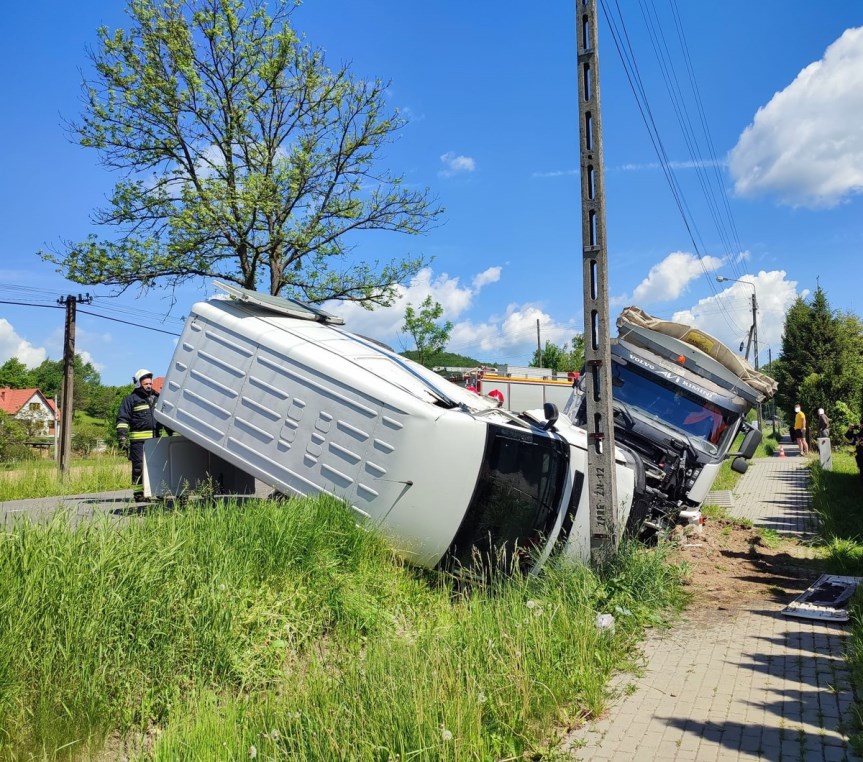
[
  {"x": 620, "y": 36},
  {"x": 128, "y": 322},
  {"x": 57, "y": 306}
]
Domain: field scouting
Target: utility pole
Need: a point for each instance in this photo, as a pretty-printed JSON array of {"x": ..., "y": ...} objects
[
  {"x": 68, "y": 377},
  {"x": 538, "y": 346},
  {"x": 755, "y": 340},
  {"x": 770, "y": 361},
  {"x": 601, "y": 472}
]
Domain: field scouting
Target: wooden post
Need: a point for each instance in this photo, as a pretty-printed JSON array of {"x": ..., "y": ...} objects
[
  {"x": 67, "y": 409},
  {"x": 68, "y": 381}
]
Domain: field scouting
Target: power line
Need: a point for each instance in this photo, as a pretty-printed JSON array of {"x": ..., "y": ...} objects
[
  {"x": 128, "y": 322},
  {"x": 622, "y": 43},
  {"x": 94, "y": 314},
  {"x": 32, "y": 304}
]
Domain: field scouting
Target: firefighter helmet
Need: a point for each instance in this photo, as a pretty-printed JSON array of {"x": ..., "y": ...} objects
[{"x": 140, "y": 375}]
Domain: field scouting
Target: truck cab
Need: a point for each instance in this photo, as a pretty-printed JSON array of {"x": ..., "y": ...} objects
[{"x": 680, "y": 400}]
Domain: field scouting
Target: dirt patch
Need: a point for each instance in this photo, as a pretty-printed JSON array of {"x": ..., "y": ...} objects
[{"x": 731, "y": 564}]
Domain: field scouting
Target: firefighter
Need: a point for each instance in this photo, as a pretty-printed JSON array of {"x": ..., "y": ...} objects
[{"x": 136, "y": 424}]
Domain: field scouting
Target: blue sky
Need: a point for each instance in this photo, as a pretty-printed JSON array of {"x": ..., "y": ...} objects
[{"x": 489, "y": 90}]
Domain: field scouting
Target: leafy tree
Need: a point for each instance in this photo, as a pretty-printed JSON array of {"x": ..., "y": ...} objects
[
  {"x": 561, "y": 359},
  {"x": 48, "y": 377},
  {"x": 244, "y": 158},
  {"x": 429, "y": 337},
  {"x": 102, "y": 400},
  {"x": 822, "y": 358},
  {"x": 110, "y": 427},
  {"x": 15, "y": 375}
]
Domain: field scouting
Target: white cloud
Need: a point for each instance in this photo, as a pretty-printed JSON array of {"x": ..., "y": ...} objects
[
  {"x": 492, "y": 275},
  {"x": 410, "y": 115},
  {"x": 385, "y": 323},
  {"x": 728, "y": 315},
  {"x": 454, "y": 164},
  {"x": 84, "y": 339},
  {"x": 557, "y": 173},
  {"x": 510, "y": 337},
  {"x": 806, "y": 146},
  {"x": 12, "y": 345},
  {"x": 668, "y": 279}
]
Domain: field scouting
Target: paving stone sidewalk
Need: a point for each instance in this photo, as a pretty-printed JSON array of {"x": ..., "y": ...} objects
[{"x": 742, "y": 684}]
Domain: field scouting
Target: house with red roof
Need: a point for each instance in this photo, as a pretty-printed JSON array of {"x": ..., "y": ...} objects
[{"x": 32, "y": 408}]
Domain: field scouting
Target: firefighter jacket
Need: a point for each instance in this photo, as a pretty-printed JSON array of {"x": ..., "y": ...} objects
[{"x": 135, "y": 418}]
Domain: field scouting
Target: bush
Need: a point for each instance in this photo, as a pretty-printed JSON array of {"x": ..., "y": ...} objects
[
  {"x": 842, "y": 416},
  {"x": 85, "y": 437},
  {"x": 13, "y": 438}
]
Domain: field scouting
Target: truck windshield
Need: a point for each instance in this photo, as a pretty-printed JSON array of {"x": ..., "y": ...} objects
[
  {"x": 516, "y": 501},
  {"x": 701, "y": 420}
]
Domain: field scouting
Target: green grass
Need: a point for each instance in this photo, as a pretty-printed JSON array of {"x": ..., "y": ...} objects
[
  {"x": 837, "y": 497},
  {"x": 205, "y": 633},
  {"x": 41, "y": 478},
  {"x": 770, "y": 537},
  {"x": 722, "y": 516}
]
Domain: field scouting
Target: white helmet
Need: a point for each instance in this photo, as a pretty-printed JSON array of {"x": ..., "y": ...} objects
[{"x": 140, "y": 375}]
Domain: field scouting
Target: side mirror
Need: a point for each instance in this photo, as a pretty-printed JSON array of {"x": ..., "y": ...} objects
[
  {"x": 549, "y": 410},
  {"x": 739, "y": 465},
  {"x": 750, "y": 444}
]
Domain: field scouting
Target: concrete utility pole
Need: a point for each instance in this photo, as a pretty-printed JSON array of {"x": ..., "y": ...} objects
[
  {"x": 755, "y": 340},
  {"x": 601, "y": 475},
  {"x": 753, "y": 330},
  {"x": 538, "y": 346},
  {"x": 770, "y": 362},
  {"x": 68, "y": 378}
]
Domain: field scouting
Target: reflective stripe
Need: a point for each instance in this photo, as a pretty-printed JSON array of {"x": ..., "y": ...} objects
[
  {"x": 141, "y": 435},
  {"x": 122, "y": 425},
  {"x": 139, "y": 408}
]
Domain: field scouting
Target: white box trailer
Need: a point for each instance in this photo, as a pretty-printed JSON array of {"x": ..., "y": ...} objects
[{"x": 268, "y": 388}]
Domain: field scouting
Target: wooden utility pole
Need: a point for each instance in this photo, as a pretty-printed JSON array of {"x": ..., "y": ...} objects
[
  {"x": 68, "y": 378},
  {"x": 601, "y": 473}
]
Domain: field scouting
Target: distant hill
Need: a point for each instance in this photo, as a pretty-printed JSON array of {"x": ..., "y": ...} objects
[{"x": 447, "y": 360}]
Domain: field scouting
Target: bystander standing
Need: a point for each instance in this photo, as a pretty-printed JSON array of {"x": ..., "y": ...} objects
[{"x": 798, "y": 432}]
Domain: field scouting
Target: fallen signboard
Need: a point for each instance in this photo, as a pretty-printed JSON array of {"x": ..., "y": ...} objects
[{"x": 826, "y": 599}]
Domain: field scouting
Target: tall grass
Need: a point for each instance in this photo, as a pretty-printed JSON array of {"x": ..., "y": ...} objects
[
  {"x": 30, "y": 479},
  {"x": 837, "y": 497},
  {"x": 284, "y": 630}
]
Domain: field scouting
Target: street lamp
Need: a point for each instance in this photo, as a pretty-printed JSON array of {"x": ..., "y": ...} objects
[{"x": 753, "y": 332}]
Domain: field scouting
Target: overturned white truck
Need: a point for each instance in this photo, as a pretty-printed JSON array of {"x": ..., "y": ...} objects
[{"x": 266, "y": 388}]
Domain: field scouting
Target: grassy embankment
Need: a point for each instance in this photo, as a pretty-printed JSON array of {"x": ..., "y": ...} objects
[
  {"x": 281, "y": 630},
  {"x": 837, "y": 497}
]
